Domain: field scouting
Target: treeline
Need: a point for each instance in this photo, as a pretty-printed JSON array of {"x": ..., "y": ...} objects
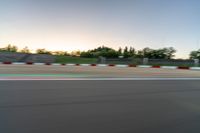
[
  {"x": 13, "y": 48},
  {"x": 163, "y": 53}
]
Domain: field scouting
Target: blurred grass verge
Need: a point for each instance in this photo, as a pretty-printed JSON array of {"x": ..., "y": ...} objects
[{"x": 76, "y": 60}]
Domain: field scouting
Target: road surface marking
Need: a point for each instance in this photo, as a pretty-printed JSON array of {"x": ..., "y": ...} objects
[{"x": 93, "y": 79}]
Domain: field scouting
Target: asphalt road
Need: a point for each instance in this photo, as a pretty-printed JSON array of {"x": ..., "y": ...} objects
[{"x": 99, "y": 106}]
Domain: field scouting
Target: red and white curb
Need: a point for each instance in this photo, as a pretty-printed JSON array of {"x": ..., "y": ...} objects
[{"x": 102, "y": 65}]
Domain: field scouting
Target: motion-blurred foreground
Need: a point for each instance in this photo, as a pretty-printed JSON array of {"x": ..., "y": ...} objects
[{"x": 59, "y": 71}]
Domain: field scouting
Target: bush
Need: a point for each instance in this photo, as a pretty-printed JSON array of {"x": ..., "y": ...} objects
[
  {"x": 9, "y": 48},
  {"x": 43, "y": 51}
]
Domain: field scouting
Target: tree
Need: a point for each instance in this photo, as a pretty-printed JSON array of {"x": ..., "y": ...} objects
[
  {"x": 164, "y": 53},
  {"x": 120, "y": 51},
  {"x": 111, "y": 54},
  {"x": 86, "y": 54},
  {"x": 62, "y": 53},
  {"x": 42, "y": 51},
  {"x": 132, "y": 52},
  {"x": 101, "y": 51},
  {"x": 75, "y": 53},
  {"x": 25, "y": 50},
  {"x": 9, "y": 48},
  {"x": 126, "y": 53},
  {"x": 129, "y": 52},
  {"x": 140, "y": 54},
  {"x": 170, "y": 52},
  {"x": 147, "y": 52},
  {"x": 195, "y": 54}
]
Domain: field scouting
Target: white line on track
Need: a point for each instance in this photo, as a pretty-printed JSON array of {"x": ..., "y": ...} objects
[{"x": 101, "y": 79}]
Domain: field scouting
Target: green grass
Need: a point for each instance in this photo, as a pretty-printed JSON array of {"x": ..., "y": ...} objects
[{"x": 76, "y": 60}]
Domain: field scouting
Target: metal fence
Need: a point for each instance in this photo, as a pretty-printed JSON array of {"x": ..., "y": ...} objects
[
  {"x": 120, "y": 61},
  {"x": 173, "y": 62},
  {"x": 146, "y": 61}
]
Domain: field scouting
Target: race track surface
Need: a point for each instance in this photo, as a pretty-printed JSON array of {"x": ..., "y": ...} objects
[{"x": 99, "y": 106}]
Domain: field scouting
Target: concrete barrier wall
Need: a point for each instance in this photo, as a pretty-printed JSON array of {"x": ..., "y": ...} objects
[
  {"x": 12, "y": 57},
  {"x": 21, "y": 57}
]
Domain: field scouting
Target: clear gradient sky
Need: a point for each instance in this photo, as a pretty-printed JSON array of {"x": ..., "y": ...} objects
[{"x": 85, "y": 24}]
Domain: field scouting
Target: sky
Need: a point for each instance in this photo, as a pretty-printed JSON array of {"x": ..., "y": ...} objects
[{"x": 69, "y": 25}]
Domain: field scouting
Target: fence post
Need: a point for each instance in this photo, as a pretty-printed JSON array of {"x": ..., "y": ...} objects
[
  {"x": 145, "y": 61},
  {"x": 102, "y": 60},
  {"x": 196, "y": 62}
]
